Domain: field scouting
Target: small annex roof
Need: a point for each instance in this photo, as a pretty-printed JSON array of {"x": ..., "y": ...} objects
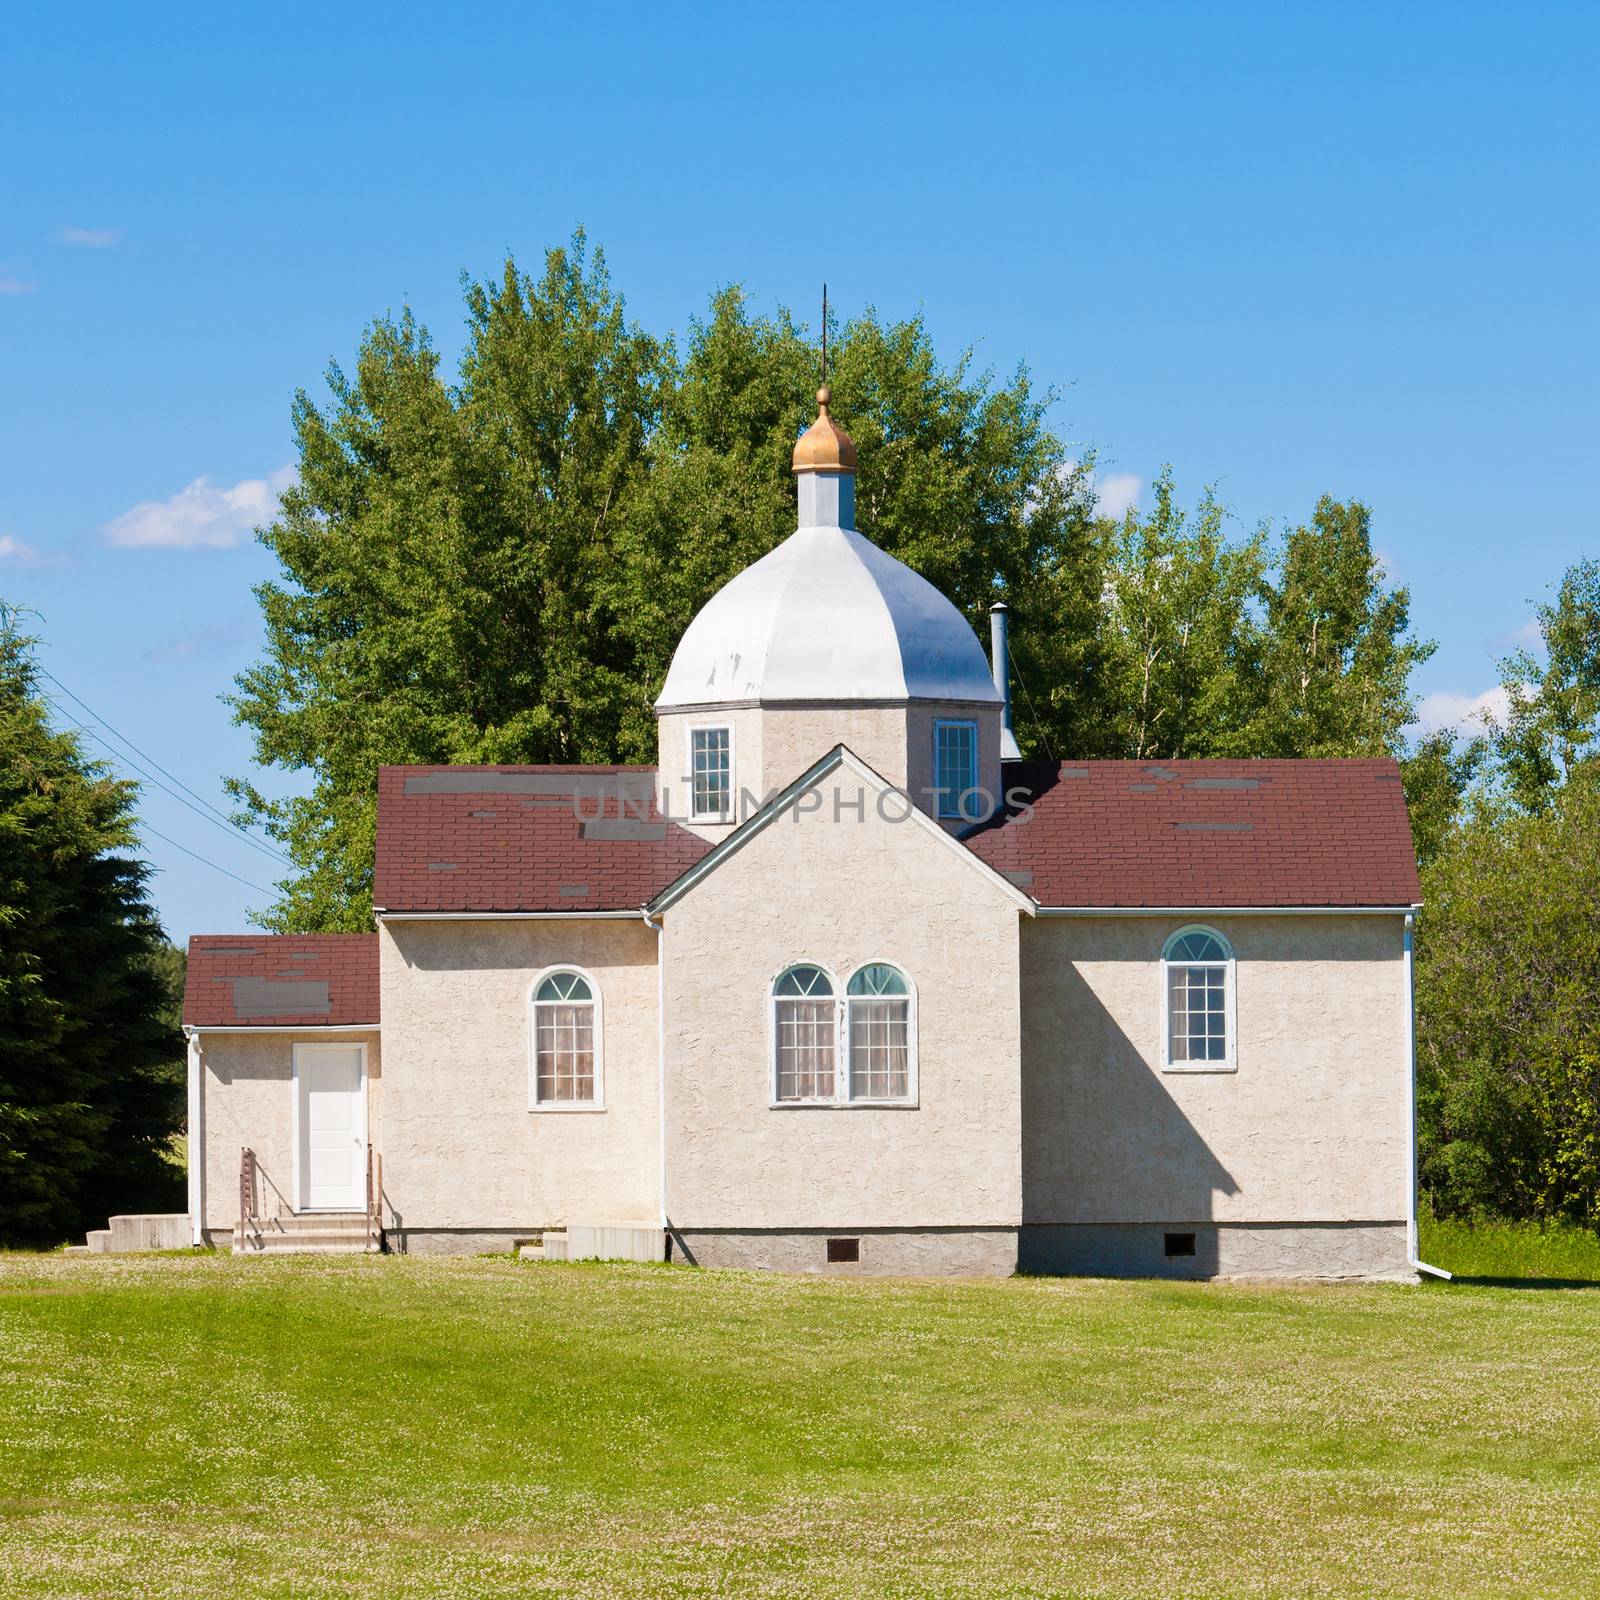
[
  {"x": 780, "y": 804},
  {"x": 464, "y": 840},
  {"x": 282, "y": 980},
  {"x": 1204, "y": 834}
]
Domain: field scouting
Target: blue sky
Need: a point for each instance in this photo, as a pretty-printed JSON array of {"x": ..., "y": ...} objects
[{"x": 1288, "y": 250}]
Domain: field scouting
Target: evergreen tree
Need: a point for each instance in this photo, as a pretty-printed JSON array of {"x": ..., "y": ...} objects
[{"x": 90, "y": 1075}]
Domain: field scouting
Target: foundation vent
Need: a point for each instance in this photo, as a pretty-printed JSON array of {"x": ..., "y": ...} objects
[
  {"x": 1178, "y": 1244},
  {"x": 844, "y": 1250}
]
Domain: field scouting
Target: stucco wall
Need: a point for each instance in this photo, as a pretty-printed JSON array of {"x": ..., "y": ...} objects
[
  {"x": 247, "y": 1099},
  {"x": 1311, "y": 1127},
  {"x": 843, "y": 892},
  {"x": 796, "y": 737},
  {"x": 461, "y": 1147}
]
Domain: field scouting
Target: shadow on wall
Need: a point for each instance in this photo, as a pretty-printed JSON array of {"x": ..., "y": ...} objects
[
  {"x": 268, "y": 1197},
  {"x": 479, "y": 947},
  {"x": 1116, "y": 1180}
]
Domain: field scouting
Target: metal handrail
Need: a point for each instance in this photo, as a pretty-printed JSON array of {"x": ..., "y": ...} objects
[
  {"x": 374, "y": 1197},
  {"x": 247, "y": 1193}
]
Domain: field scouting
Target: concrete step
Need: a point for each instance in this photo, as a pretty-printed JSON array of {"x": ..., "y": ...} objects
[
  {"x": 313, "y": 1221},
  {"x": 316, "y": 1233},
  {"x": 151, "y": 1230},
  {"x": 551, "y": 1245},
  {"x": 616, "y": 1241},
  {"x": 98, "y": 1241},
  {"x": 306, "y": 1247}
]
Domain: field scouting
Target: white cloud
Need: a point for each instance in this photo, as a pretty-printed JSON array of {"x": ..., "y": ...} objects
[
  {"x": 203, "y": 643},
  {"x": 14, "y": 549},
  {"x": 200, "y": 515},
  {"x": 15, "y": 286},
  {"x": 1527, "y": 637},
  {"x": 1114, "y": 495},
  {"x": 1450, "y": 708},
  {"x": 95, "y": 238},
  {"x": 1118, "y": 494}
]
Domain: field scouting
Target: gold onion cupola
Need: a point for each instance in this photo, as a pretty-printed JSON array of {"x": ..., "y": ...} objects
[
  {"x": 825, "y": 470},
  {"x": 824, "y": 446}
]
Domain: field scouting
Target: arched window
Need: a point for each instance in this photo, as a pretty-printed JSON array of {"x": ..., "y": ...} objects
[
  {"x": 805, "y": 1025},
  {"x": 566, "y": 1041},
  {"x": 878, "y": 1000},
  {"x": 1197, "y": 998}
]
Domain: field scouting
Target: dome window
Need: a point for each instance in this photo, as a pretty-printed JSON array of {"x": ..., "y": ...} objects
[
  {"x": 711, "y": 774},
  {"x": 955, "y": 770}
]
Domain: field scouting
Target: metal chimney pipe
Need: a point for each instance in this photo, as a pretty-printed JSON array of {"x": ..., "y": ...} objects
[{"x": 1000, "y": 663}]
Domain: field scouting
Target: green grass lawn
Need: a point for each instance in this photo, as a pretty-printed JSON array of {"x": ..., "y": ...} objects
[
  {"x": 395, "y": 1427},
  {"x": 1512, "y": 1252}
]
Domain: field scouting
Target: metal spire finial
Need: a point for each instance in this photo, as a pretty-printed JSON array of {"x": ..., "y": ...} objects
[{"x": 824, "y": 336}]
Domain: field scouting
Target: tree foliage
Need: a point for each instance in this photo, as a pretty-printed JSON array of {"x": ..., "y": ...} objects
[
  {"x": 1508, "y": 1026},
  {"x": 90, "y": 1076},
  {"x": 499, "y": 568},
  {"x": 1509, "y": 937},
  {"x": 1553, "y": 708}
]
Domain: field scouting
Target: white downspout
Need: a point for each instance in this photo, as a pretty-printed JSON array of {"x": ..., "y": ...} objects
[
  {"x": 196, "y": 1142},
  {"x": 1411, "y": 1106},
  {"x": 661, "y": 1060}
]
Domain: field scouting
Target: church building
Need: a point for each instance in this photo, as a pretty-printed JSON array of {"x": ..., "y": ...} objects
[{"x": 840, "y": 985}]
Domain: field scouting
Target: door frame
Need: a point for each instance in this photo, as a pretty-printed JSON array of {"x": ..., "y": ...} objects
[{"x": 296, "y": 1096}]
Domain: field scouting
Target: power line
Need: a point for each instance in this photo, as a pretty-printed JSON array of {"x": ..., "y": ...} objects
[
  {"x": 260, "y": 888},
  {"x": 117, "y": 755},
  {"x": 211, "y": 812},
  {"x": 1032, "y": 709},
  {"x": 144, "y": 826}
]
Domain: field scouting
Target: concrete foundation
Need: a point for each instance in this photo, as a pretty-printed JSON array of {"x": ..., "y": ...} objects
[
  {"x": 458, "y": 1241},
  {"x": 1360, "y": 1250},
  {"x": 879, "y": 1252}
]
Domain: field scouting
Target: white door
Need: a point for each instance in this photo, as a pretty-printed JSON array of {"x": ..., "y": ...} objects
[{"x": 333, "y": 1126}]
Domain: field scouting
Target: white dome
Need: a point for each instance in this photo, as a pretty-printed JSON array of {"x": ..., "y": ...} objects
[{"x": 827, "y": 616}]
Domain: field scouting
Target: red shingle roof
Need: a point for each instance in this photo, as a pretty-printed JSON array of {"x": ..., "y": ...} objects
[
  {"x": 318, "y": 980},
  {"x": 1206, "y": 834},
  {"x": 524, "y": 839}
]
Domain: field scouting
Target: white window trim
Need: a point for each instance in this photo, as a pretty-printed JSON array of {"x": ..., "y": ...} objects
[
  {"x": 909, "y": 1098},
  {"x": 840, "y": 1099},
  {"x": 773, "y": 997},
  {"x": 1230, "y": 1007},
  {"x": 696, "y": 815},
  {"x": 298, "y": 1206},
  {"x": 958, "y": 814},
  {"x": 566, "y": 1107}
]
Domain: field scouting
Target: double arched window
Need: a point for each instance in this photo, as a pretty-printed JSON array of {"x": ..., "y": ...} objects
[
  {"x": 1197, "y": 998},
  {"x": 862, "y": 1051},
  {"x": 566, "y": 1041}
]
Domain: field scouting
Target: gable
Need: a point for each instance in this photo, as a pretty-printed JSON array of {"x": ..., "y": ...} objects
[{"x": 842, "y": 792}]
